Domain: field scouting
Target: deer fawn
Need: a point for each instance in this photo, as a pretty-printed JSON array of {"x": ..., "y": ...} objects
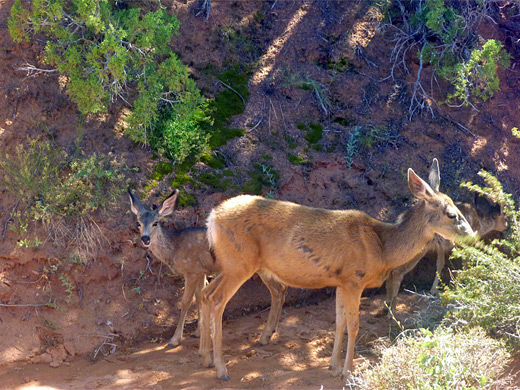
[
  {"x": 484, "y": 218},
  {"x": 313, "y": 248},
  {"x": 187, "y": 252}
]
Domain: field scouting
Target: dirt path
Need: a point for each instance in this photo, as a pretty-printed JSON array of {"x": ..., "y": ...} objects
[{"x": 297, "y": 358}]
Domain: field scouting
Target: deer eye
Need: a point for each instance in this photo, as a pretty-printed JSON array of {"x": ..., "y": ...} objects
[
  {"x": 138, "y": 224},
  {"x": 452, "y": 215},
  {"x": 154, "y": 224}
]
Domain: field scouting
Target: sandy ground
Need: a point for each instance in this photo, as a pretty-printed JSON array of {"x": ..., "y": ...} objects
[{"x": 297, "y": 357}]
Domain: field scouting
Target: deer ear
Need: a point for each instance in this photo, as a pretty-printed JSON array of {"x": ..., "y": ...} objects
[
  {"x": 419, "y": 188},
  {"x": 170, "y": 204},
  {"x": 485, "y": 206},
  {"x": 135, "y": 204},
  {"x": 435, "y": 177}
]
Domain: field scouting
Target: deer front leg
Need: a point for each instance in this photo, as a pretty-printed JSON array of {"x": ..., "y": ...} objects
[
  {"x": 218, "y": 299},
  {"x": 190, "y": 285},
  {"x": 441, "y": 261},
  {"x": 341, "y": 323},
  {"x": 394, "y": 281},
  {"x": 201, "y": 283},
  {"x": 277, "y": 291}
]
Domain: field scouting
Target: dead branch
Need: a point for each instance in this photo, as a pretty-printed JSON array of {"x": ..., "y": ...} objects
[
  {"x": 205, "y": 8},
  {"x": 414, "y": 101},
  {"x": 234, "y": 90},
  {"x": 25, "y": 305},
  {"x": 33, "y": 71},
  {"x": 10, "y": 219}
]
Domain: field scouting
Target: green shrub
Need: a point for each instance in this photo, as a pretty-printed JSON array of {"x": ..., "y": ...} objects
[
  {"x": 108, "y": 54},
  {"x": 478, "y": 76},
  {"x": 352, "y": 145},
  {"x": 314, "y": 134},
  {"x": 62, "y": 191},
  {"x": 180, "y": 136},
  {"x": 442, "y": 360},
  {"x": 444, "y": 35},
  {"x": 485, "y": 292}
]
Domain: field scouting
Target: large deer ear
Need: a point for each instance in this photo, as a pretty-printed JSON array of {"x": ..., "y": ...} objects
[
  {"x": 170, "y": 204},
  {"x": 435, "y": 176},
  {"x": 484, "y": 206},
  {"x": 135, "y": 204},
  {"x": 419, "y": 188}
]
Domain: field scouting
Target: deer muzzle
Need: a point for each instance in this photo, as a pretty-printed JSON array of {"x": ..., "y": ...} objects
[{"x": 145, "y": 240}]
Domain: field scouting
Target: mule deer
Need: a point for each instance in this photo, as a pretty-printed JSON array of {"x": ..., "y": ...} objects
[
  {"x": 484, "y": 217},
  {"x": 187, "y": 252},
  {"x": 313, "y": 248}
]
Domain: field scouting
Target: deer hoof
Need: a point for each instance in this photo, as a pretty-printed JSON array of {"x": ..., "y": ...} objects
[
  {"x": 335, "y": 370},
  {"x": 225, "y": 378},
  {"x": 172, "y": 345}
]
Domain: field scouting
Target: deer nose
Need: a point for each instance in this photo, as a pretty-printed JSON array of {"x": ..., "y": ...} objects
[{"x": 145, "y": 240}]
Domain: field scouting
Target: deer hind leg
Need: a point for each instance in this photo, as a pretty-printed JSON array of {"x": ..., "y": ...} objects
[
  {"x": 190, "y": 285},
  {"x": 277, "y": 290},
  {"x": 441, "y": 261},
  {"x": 341, "y": 323},
  {"x": 351, "y": 300},
  {"x": 215, "y": 297}
]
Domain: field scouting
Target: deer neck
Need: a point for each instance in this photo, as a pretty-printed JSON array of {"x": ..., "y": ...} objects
[
  {"x": 404, "y": 240},
  {"x": 161, "y": 244}
]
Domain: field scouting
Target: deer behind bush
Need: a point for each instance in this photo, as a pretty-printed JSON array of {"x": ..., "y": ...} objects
[{"x": 484, "y": 218}]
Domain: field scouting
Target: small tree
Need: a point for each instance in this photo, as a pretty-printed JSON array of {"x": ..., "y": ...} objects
[{"x": 108, "y": 54}]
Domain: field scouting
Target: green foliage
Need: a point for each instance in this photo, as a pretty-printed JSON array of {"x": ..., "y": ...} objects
[
  {"x": 296, "y": 159},
  {"x": 445, "y": 35},
  {"x": 68, "y": 285},
  {"x": 180, "y": 136},
  {"x": 52, "y": 185},
  {"x": 352, "y": 145},
  {"x": 485, "y": 292},
  {"x": 107, "y": 54},
  {"x": 161, "y": 169},
  {"x": 443, "y": 360},
  {"x": 213, "y": 160},
  {"x": 262, "y": 175},
  {"x": 478, "y": 76},
  {"x": 230, "y": 102},
  {"x": 315, "y": 133}
]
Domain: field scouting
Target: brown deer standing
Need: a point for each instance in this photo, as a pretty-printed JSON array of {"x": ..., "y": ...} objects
[
  {"x": 313, "y": 248},
  {"x": 187, "y": 252},
  {"x": 484, "y": 218}
]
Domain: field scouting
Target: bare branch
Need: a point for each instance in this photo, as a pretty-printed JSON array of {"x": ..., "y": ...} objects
[
  {"x": 33, "y": 71},
  {"x": 234, "y": 90}
]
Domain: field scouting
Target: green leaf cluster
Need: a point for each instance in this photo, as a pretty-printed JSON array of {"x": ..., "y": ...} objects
[
  {"x": 107, "y": 54},
  {"x": 485, "y": 292},
  {"x": 444, "y": 359},
  {"x": 51, "y": 184},
  {"x": 477, "y": 76},
  {"x": 444, "y": 32}
]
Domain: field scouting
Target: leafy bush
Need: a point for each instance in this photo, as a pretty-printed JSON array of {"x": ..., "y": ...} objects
[
  {"x": 108, "y": 54},
  {"x": 180, "y": 136},
  {"x": 443, "y": 360},
  {"x": 444, "y": 35},
  {"x": 62, "y": 191},
  {"x": 485, "y": 292}
]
